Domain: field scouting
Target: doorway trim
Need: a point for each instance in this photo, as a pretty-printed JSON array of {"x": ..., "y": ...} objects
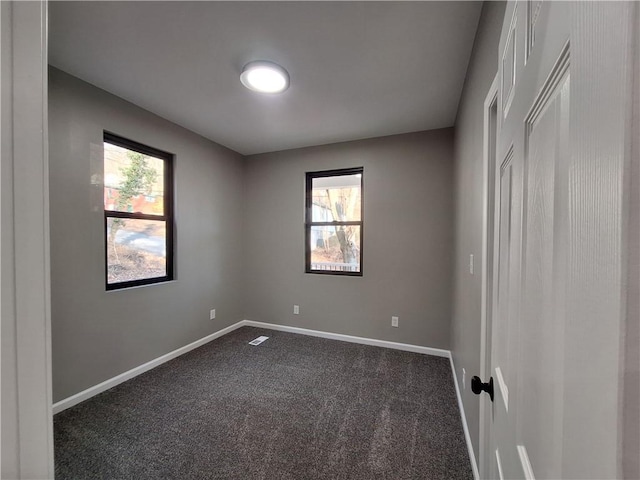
[
  {"x": 27, "y": 428},
  {"x": 488, "y": 260}
]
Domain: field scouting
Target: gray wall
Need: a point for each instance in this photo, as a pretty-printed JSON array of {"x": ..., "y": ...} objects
[
  {"x": 407, "y": 240},
  {"x": 97, "y": 334},
  {"x": 468, "y": 151}
]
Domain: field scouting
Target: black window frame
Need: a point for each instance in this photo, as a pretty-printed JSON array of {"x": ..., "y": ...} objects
[
  {"x": 167, "y": 217},
  {"x": 309, "y": 223}
]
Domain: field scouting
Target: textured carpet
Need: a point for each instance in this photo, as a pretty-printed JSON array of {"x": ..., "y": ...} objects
[{"x": 295, "y": 407}]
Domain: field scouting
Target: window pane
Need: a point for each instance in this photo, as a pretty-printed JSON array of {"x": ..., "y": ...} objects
[
  {"x": 335, "y": 248},
  {"x": 336, "y": 198},
  {"x": 133, "y": 182},
  {"x": 136, "y": 249}
]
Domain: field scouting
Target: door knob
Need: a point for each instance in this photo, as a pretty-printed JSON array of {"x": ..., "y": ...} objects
[{"x": 478, "y": 387}]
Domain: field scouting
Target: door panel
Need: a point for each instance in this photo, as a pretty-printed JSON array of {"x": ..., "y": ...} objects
[
  {"x": 541, "y": 341},
  {"x": 561, "y": 187},
  {"x": 504, "y": 358},
  {"x": 504, "y": 323}
]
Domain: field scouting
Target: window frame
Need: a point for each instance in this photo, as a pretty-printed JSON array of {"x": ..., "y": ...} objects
[
  {"x": 167, "y": 216},
  {"x": 309, "y": 223}
]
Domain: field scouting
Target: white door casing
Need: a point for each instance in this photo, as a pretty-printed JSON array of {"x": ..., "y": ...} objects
[
  {"x": 27, "y": 432},
  {"x": 561, "y": 159},
  {"x": 489, "y": 262}
]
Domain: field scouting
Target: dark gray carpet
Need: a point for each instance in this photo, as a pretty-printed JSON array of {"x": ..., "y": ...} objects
[{"x": 295, "y": 407}]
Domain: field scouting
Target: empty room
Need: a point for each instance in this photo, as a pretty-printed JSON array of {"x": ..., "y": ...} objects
[{"x": 320, "y": 240}]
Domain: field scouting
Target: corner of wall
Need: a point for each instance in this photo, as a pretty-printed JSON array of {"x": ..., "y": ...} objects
[{"x": 468, "y": 148}]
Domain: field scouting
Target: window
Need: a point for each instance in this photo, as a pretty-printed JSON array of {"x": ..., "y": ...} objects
[
  {"x": 333, "y": 224},
  {"x": 138, "y": 213}
]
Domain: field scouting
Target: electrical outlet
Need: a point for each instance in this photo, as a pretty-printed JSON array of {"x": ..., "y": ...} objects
[
  {"x": 212, "y": 314},
  {"x": 394, "y": 321},
  {"x": 471, "y": 263},
  {"x": 464, "y": 379},
  {"x": 296, "y": 310}
]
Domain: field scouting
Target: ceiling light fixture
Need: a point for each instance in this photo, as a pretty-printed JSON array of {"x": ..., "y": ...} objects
[{"x": 265, "y": 77}]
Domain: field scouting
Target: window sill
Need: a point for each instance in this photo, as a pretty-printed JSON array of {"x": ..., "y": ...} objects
[{"x": 132, "y": 287}]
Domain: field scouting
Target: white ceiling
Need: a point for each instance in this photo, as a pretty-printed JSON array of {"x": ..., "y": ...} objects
[{"x": 358, "y": 69}]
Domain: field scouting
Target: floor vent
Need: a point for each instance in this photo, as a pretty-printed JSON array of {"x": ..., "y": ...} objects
[{"x": 258, "y": 341}]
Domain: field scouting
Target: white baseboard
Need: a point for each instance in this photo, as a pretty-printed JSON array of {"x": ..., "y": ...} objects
[
  {"x": 349, "y": 338},
  {"x": 465, "y": 427},
  {"x": 134, "y": 372},
  {"x": 398, "y": 346}
]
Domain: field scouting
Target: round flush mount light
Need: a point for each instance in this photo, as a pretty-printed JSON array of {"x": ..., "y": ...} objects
[{"x": 265, "y": 77}]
